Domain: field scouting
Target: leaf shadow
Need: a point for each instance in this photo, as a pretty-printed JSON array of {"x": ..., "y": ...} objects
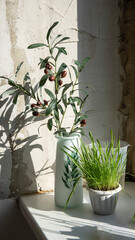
[{"x": 17, "y": 173}]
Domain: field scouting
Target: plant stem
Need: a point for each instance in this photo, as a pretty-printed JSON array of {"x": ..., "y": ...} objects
[
  {"x": 72, "y": 129},
  {"x": 71, "y": 92},
  {"x": 58, "y": 123}
]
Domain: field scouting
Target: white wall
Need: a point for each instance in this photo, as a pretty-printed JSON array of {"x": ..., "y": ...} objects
[
  {"x": 27, "y": 158},
  {"x": 98, "y": 21}
]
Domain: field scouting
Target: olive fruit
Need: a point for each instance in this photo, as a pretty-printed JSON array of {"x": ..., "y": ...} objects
[
  {"x": 63, "y": 74},
  {"x": 83, "y": 123},
  {"x": 60, "y": 82},
  {"x": 39, "y": 103},
  {"x": 48, "y": 66},
  {"x": 45, "y": 102},
  {"x": 46, "y": 71},
  {"x": 36, "y": 113},
  {"x": 52, "y": 78},
  {"x": 33, "y": 105}
]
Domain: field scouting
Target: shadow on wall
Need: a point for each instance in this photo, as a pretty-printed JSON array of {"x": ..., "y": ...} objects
[{"x": 17, "y": 174}]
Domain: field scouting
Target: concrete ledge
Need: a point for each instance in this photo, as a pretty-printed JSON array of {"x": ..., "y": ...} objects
[
  {"x": 50, "y": 222},
  {"x": 31, "y": 221}
]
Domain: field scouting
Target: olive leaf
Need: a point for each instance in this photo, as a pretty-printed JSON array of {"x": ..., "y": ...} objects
[
  {"x": 78, "y": 100},
  {"x": 37, "y": 45},
  {"x": 50, "y": 124},
  {"x": 75, "y": 71},
  {"x": 60, "y": 50},
  {"x": 10, "y": 82},
  {"x": 83, "y": 63},
  {"x": 58, "y": 36},
  {"x": 61, "y": 130},
  {"x": 16, "y": 98},
  {"x": 79, "y": 130},
  {"x": 77, "y": 63},
  {"x": 63, "y": 39},
  {"x": 61, "y": 68},
  {"x": 56, "y": 115},
  {"x": 66, "y": 86},
  {"x": 71, "y": 102},
  {"x": 84, "y": 100},
  {"x": 51, "y": 107},
  {"x": 80, "y": 118},
  {"x": 64, "y": 100},
  {"x": 32, "y": 92},
  {"x": 43, "y": 80},
  {"x": 18, "y": 86},
  {"x": 43, "y": 62},
  {"x": 18, "y": 68},
  {"x": 61, "y": 109},
  {"x": 22, "y": 89},
  {"x": 82, "y": 90},
  {"x": 50, "y": 94},
  {"x": 49, "y": 31}
]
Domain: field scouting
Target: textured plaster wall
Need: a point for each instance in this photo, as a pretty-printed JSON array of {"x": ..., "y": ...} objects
[
  {"x": 127, "y": 53},
  {"x": 28, "y": 150},
  {"x": 28, "y": 156}
]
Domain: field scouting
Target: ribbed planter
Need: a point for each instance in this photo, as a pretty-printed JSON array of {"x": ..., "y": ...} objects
[
  {"x": 66, "y": 174},
  {"x": 104, "y": 202}
]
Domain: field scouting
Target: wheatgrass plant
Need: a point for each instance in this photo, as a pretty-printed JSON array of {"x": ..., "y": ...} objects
[{"x": 101, "y": 167}]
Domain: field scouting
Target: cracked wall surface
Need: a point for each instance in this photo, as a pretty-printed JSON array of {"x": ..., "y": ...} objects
[{"x": 27, "y": 150}]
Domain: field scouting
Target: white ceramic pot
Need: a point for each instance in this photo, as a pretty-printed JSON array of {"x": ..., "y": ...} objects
[
  {"x": 104, "y": 202},
  {"x": 66, "y": 174}
]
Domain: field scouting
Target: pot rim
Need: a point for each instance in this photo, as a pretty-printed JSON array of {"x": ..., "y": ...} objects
[
  {"x": 123, "y": 144},
  {"x": 72, "y": 136},
  {"x": 99, "y": 192}
]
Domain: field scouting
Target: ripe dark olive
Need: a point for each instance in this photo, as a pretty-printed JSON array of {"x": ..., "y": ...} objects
[
  {"x": 83, "y": 123},
  {"x": 33, "y": 105},
  {"x": 60, "y": 82},
  {"x": 46, "y": 71},
  {"x": 39, "y": 103},
  {"x": 52, "y": 78},
  {"x": 48, "y": 66},
  {"x": 36, "y": 113},
  {"x": 45, "y": 102},
  {"x": 63, "y": 74}
]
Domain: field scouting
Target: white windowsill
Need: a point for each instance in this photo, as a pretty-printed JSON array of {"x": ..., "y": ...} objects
[{"x": 52, "y": 223}]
